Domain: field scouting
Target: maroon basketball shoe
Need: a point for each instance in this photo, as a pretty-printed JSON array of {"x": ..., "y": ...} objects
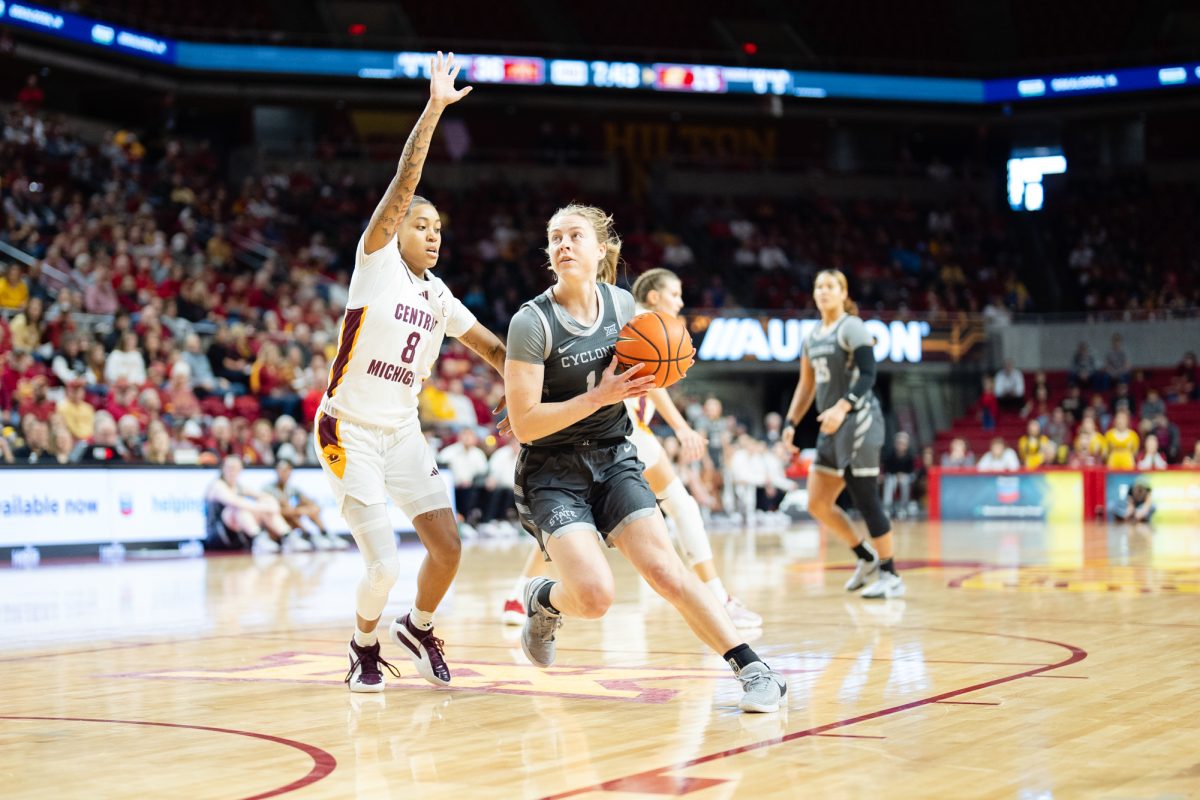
[
  {"x": 425, "y": 650},
  {"x": 364, "y": 674}
]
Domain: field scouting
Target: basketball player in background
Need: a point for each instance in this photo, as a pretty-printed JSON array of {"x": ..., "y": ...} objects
[
  {"x": 369, "y": 438},
  {"x": 254, "y": 514},
  {"x": 837, "y": 369},
  {"x": 661, "y": 290},
  {"x": 578, "y": 476}
]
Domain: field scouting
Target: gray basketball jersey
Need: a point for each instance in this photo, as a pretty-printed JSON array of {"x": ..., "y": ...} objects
[
  {"x": 832, "y": 356},
  {"x": 575, "y": 357}
]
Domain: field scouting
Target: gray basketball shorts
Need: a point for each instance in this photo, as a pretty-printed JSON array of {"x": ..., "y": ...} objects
[
  {"x": 564, "y": 489},
  {"x": 855, "y": 446}
]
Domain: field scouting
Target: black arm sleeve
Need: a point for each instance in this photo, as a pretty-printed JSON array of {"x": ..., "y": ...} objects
[{"x": 864, "y": 359}]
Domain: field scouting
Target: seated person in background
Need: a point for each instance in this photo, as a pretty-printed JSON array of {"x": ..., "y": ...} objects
[
  {"x": 1152, "y": 406},
  {"x": 958, "y": 457},
  {"x": 1083, "y": 365},
  {"x": 1170, "y": 441},
  {"x": 36, "y": 448},
  {"x": 1137, "y": 506},
  {"x": 1151, "y": 458},
  {"x": 1053, "y": 455},
  {"x": 1194, "y": 459},
  {"x": 899, "y": 467},
  {"x": 1072, "y": 405},
  {"x": 989, "y": 409},
  {"x": 1082, "y": 455},
  {"x": 1122, "y": 443},
  {"x": 1057, "y": 429},
  {"x": 1031, "y": 445},
  {"x": 104, "y": 446},
  {"x": 1090, "y": 440},
  {"x": 1010, "y": 387},
  {"x": 468, "y": 466},
  {"x": 1099, "y": 409},
  {"x": 1116, "y": 363},
  {"x": 295, "y": 506},
  {"x": 999, "y": 458},
  {"x": 250, "y": 513},
  {"x": 1183, "y": 386},
  {"x": 502, "y": 466}
]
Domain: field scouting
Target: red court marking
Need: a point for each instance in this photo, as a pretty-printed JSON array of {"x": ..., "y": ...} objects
[
  {"x": 323, "y": 762},
  {"x": 1063, "y": 677},
  {"x": 964, "y": 703},
  {"x": 1077, "y": 654},
  {"x": 847, "y": 736},
  {"x": 666, "y": 652}
]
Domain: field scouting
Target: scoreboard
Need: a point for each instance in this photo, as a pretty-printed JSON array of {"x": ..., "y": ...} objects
[{"x": 518, "y": 70}]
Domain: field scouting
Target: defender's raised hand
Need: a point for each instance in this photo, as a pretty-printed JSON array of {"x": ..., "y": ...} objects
[{"x": 442, "y": 72}]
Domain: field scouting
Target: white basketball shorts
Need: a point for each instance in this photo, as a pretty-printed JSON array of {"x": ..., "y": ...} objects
[{"x": 371, "y": 464}]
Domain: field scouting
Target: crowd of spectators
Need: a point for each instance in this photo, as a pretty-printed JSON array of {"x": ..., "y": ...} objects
[
  {"x": 168, "y": 315},
  {"x": 1108, "y": 414}
]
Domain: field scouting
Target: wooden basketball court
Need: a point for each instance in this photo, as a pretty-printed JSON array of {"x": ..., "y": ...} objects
[{"x": 1026, "y": 662}]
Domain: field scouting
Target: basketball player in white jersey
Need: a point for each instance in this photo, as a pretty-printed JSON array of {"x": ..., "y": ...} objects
[
  {"x": 661, "y": 290},
  {"x": 368, "y": 435}
]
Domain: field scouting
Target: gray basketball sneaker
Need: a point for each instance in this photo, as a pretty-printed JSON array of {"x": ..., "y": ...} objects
[
  {"x": 762, "y": 687},
  {"x": 865, "y": 571},
  {"x": 537, "y": 637}
]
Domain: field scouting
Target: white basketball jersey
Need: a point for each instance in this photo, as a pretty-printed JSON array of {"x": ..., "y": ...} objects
[{"x": 391, "y": 336}]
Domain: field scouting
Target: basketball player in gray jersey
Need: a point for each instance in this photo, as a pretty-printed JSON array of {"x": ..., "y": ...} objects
[
  {"x": 577, "y": 475},
  {"x": 837, "y": 369}
]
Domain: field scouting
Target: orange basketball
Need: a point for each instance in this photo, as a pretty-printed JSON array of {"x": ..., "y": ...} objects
[{"x": 659, "y": 341}]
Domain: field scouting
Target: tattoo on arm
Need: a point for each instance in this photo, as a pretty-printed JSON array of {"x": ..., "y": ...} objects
[{"x": 394, "y": 205}]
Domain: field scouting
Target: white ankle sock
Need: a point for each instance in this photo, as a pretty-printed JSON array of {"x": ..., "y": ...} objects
[
  {"x": 422, "y": 620},
  {"x": 365, "y": 639},
  {"x": 718, "y": 589}
]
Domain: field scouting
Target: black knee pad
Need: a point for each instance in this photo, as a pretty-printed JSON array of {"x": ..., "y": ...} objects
[{"x": 864, "y": 490}]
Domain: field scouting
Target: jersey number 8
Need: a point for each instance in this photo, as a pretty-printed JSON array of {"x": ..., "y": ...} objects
[{"x": 409, "y": 353}]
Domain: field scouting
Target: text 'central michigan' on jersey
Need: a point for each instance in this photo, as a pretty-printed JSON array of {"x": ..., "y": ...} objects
[
  {"x": 575, "y": 357},
  {"x": 831, "y": 353},
  {"x": 391, "y": 336}
]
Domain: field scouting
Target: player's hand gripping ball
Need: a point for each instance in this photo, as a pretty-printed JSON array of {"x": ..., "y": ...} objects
[{"x": 660, "y": 342}]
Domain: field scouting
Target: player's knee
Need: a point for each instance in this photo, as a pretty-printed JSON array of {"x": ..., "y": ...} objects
[
  {"x": 593, "y": 598},
  {"x": 247, "y": 523},
  {"x": 446, "y": 549},
  {"x": 383, "y": 573},
  {"x": 818, "y": 506},
  {"x": 667, "y": 579}
]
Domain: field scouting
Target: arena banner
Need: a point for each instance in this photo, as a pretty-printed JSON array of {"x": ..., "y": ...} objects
[
  {"x": 52, "y": 506},
  {"x": 1047, "y": 496},
  {"x": 1175, "y": 493},
  {"x": 777, "y": 340}
]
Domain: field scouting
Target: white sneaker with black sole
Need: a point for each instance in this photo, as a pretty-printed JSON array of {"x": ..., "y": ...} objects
[
  {"x": 865, "y": 571},
  {"x": 887, "y": 586}
]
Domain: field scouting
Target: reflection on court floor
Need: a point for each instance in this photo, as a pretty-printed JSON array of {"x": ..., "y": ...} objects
[{"x": 1017, "y": 666}]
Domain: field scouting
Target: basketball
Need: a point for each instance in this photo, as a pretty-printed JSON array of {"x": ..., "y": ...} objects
[{"x": 659, "y": 341}]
